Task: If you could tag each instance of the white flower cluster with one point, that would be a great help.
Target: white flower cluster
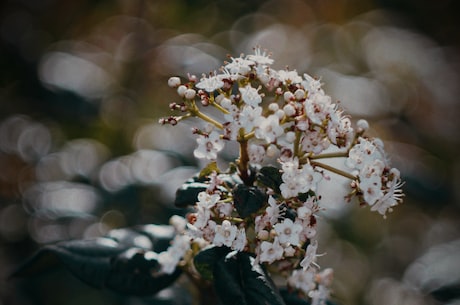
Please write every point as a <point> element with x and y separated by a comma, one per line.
<point>282,116</point>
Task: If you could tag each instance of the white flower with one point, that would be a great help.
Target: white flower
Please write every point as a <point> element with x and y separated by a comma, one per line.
<point>202,216</point>
<point>207,200</point>
<point>171,257</point>
<point>208,146</point>
<point>297,181</point>
<point>167,262</point>
<point>178,222</point>
<point>210,84</point>
<point>315,142</point>
<point>256,153</point>
<point>239,66</point>
<point>303,280</point>
<point>270,252</point>
<point>312,85</point>
<point>269,129</point>
<point>371,189</point>
<point>251,95</point>
<point>318,108</point>
<point>363,153</point>
<point>288,232</point>
<point>240,241</point>
<point>289,77</point>
<point>249,116</point>
<point>260,57</point>
<point>319,296</point>
<point>273,210</point>
<point>225,234</point>
<point>310,256</point>
<point>393,195</point>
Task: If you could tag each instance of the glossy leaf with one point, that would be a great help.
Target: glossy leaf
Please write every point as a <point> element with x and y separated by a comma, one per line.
<point>248,199</point>
<point>187,194</point>
<point>292,298</point>
<point>123,261</point>
<point>270,176</point>
<point>206,260</point>
<point>238,280</point>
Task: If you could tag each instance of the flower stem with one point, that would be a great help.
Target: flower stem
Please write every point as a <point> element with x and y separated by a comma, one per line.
<point>243,160</point>
<point>334,170</point>
<point>339,154</point>
<point>194,111</point>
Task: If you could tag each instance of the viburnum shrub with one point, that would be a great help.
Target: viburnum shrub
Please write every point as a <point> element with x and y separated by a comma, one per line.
<point>251,231</point>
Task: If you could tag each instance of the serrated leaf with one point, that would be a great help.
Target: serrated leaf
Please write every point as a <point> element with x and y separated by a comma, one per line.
<point>209,169</point>
<point>270,176</point>
<point>238,280</point>
<point>206,260</point>
<point>248,199</point>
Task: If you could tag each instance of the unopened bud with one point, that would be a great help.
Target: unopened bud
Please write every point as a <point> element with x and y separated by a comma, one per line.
<point>174,82</point>
<point>189,94</point>
<point>181,90</point>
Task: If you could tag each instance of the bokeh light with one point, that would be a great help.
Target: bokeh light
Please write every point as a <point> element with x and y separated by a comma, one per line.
<point>83,84</point>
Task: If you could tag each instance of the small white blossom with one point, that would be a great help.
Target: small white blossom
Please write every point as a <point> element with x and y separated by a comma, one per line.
<point>289,77</point>
<point>208,146</point>
<point>225,234</point>
<point>240,241</point>
<point>250,95</point>
<point>310,256</point>
<point>239,66</point>
<point>210,84</point>
<point>270,252</point>
<point>303,280</point>
<point>269,129</point>
<point>260,58</point>
<point>288,232</point>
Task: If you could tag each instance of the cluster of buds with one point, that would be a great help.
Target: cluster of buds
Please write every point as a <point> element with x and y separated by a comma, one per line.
<point>266,202</point>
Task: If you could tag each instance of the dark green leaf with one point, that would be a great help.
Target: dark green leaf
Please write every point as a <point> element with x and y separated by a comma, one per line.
<point>150,237</point>
<point>293,298</point>
<point>123,261</point>
<point>270,177</point>
<point>248,199</point>
<point>238,280</point>
<point>447,293</point>
<point>206,260</point>
<point>133,272</point>
<point>187,194</point>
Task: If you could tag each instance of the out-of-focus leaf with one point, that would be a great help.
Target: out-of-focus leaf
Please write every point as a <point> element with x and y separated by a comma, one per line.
<point>209,169</point>
<point>122,262</point>
<point>238,280</point>
<point>270,176</point>
<point>134,272</point>
<point>248,199</point>
<point>206,260</point>
<point>447,293</point>
<point>151,237</point>
<point>292,298</point>
<point>187,194</point>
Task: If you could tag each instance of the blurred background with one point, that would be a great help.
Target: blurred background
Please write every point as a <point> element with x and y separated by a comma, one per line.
<point>83,83</point>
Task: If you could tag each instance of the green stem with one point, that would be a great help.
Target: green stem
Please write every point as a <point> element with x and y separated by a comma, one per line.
<point>334,170</point>
<point>330,155</point>
<point>194,111</point>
